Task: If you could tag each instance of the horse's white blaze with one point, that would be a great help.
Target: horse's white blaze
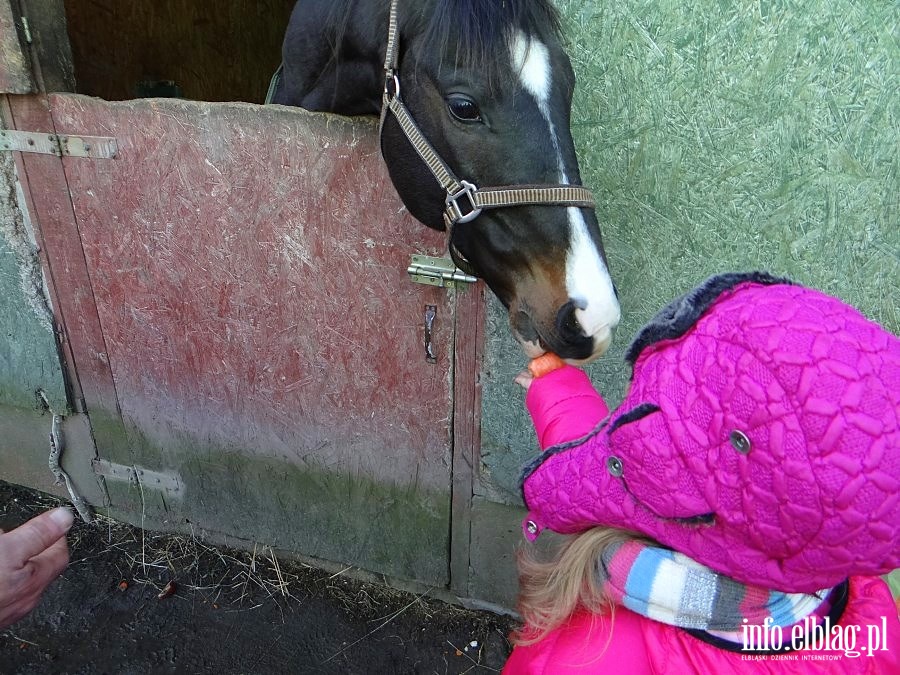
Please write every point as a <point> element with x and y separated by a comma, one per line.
<point>588,282</point>
<point>589,285</point>
<point>531,60</point>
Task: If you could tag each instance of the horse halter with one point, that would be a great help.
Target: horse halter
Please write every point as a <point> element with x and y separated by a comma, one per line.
<point>465,201</point>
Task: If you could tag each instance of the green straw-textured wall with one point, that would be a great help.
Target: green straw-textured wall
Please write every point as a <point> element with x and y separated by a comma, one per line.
<point>724,136</point>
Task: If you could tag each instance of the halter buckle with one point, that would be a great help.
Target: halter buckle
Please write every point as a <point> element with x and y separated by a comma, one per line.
<point>468,190</point>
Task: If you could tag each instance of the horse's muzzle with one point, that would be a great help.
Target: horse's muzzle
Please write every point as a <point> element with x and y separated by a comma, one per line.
<point>566,335</point>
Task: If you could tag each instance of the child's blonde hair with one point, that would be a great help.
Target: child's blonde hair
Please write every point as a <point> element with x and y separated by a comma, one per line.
<point>551,590</point>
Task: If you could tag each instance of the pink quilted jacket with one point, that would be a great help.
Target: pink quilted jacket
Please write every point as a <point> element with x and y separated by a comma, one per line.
<point>633,645</point>
<point>760,436</point>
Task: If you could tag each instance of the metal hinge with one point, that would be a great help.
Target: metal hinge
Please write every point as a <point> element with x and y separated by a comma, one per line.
<point>166,482</point>
<point>61,145</point>
<point>441,272</point>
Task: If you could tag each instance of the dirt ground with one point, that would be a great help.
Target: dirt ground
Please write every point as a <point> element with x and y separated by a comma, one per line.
<point>133,601</point>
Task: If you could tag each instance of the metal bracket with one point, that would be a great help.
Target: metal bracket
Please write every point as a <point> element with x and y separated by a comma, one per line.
<point>169,483</point>
<point>61,145</point>
<point>440,272</point>
<point>430,314</point>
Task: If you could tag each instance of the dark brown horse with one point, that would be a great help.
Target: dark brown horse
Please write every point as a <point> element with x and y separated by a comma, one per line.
<point>490,87</point>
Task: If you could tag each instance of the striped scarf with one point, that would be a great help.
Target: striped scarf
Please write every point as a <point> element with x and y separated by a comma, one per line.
<point>671,588</point>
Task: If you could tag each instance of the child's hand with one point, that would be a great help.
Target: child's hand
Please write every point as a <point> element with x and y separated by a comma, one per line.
<point>524,379</point>
<point>538,367</point>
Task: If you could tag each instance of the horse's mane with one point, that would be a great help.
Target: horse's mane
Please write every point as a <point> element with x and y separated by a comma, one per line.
<point>475,32</point>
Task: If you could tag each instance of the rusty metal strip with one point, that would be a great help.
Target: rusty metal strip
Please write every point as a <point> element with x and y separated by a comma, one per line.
<point>61,145</point>
<point>168,482</point>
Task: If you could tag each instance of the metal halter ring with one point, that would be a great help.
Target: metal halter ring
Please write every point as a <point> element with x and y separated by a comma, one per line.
<point>469,190</point>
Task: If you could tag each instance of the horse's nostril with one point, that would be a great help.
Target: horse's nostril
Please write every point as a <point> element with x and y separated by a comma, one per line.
<point>570,339</point>
<point>567,322</point>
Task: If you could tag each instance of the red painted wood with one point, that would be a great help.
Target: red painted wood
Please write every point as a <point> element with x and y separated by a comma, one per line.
<point>249,268</point>
<point>56,232</point>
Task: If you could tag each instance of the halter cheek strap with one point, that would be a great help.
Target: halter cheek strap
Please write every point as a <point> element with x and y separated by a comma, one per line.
<point>464,201</point>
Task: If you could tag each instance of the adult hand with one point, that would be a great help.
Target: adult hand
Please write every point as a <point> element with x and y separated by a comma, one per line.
<point>31,556</point>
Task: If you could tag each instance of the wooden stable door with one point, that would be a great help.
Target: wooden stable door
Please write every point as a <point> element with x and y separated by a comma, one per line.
<point>243,350</point>
<point>248,346</point>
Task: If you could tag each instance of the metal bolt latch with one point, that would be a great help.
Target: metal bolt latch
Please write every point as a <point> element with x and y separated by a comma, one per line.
<point>441,272</point>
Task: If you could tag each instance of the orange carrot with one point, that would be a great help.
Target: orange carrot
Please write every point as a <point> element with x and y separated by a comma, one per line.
<point>545,363</point>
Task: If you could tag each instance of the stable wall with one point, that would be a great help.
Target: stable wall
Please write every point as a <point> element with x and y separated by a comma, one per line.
<point>29,362</point>
<point>244,351</point>
<point>718,137</point>
<point>725,137</point>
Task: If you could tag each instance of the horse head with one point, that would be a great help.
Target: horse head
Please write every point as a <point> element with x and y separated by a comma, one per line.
<point>492,92</point>
<point>489,85</point>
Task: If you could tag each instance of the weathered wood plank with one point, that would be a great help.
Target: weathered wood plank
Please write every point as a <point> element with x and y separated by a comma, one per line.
<point>15,66</point>
<point>56,231</point>
<point>470,309</point>
<point>51,51</point>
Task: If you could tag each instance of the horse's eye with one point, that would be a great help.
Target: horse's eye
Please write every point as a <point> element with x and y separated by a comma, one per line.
<point>463,108</point>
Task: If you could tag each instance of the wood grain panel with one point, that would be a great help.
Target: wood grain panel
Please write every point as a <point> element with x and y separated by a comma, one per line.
<point>249,266</point>
<point>469,341</point>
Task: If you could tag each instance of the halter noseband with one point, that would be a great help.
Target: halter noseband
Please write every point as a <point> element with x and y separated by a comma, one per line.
<point>465,201</point>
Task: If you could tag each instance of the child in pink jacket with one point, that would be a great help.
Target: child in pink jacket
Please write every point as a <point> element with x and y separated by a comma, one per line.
<point>734,513</point>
